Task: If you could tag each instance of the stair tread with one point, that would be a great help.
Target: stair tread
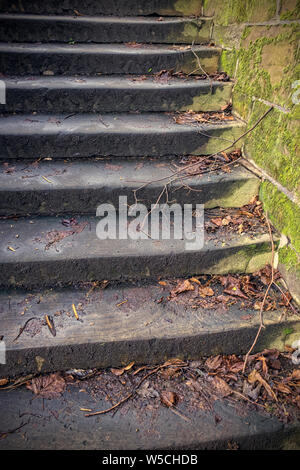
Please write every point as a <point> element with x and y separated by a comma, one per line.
<point>113,7</point>
<point>123,323</point>
<point>143,49</point>
<point>106,94</point>
<point>110,173</point>
<point>125,428</point>
<point>111,123</point>
<point>42,251</point>
<point>82,184</point>
<point>31,245</point>
<point>103,29</point>
<point>93,59</point>
<point>114,81</point>
<point>104,19</point>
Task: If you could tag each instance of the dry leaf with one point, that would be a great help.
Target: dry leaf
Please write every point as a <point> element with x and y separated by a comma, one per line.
<point>121,371</point>
<point>168,398</point>
<point>205,291</point>
<point>48,386</point>
<point>182,286</point>
<point>214,362</point>
<point>255,376</point>
<point>221,387</point>
<point>3,382</point>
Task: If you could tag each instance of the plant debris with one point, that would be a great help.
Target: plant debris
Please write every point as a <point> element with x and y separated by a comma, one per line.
<point>191,117</point>
<point>47,386</point>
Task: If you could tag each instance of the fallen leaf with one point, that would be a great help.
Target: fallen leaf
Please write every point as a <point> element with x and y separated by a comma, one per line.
<point>205,291</point>
<point>182,286</point>
<point>47,386</point>
<point>168,398</point>
<point>221,387</point>
<point>3,382</point>
<point>214,362</point>
<point>122,370</point>
<point>255,376</point>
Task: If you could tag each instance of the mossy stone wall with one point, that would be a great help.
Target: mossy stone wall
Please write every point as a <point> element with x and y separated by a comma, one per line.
<point>261,51</point>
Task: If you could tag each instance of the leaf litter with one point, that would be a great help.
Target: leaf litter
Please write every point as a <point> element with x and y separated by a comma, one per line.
<point>269,385</point>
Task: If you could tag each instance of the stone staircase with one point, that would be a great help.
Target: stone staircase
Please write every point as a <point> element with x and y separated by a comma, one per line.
<point>85,121</point>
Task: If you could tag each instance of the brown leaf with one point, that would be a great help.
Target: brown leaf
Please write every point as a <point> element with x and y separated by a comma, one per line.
<point>255,376</point>
<point>213,362</point>
<point>205,292</point>
<point>168,398</point>
<point>221,386</point>
<point>3,382</point>
<point>296,374</point>
<point>182,286</point>
<point>47,386</point>
<point>282,388</point>
<point>121,371</point>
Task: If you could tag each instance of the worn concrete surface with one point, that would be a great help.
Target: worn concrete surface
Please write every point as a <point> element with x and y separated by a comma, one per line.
<point>39,252</point>
<point>80,29</point>
<point>60,424</point>
<point>125,323</point>
<point>89,135</point>
<point>113,94</point>
<point>80,186</point>
<point>92,59</point>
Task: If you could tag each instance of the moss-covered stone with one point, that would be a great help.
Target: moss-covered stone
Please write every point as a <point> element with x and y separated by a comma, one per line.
<point>274,146</point>
<point>284,214</point>
<point>290,9</point>
<point>289,265</point>
<point>235,11</point>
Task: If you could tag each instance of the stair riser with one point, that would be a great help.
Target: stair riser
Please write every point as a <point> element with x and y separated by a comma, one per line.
<point>106,99</point>
<point>80,30</point>
<point>49,272</point>
<point>85,200</point>
<point>148,351</point>
<point>88,61</point>
<point>104,7</point>
<point>105,143</point>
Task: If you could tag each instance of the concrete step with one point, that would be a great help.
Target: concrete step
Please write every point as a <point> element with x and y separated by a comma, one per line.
<point>92,59</point>
<point>43,251</point>
<point>124,323</point>
<point>101,29</point>
<point>79,186</point>
<point>109,94</point>
<point>62,425</point>
<point>103,7</point>
<point>87,135</point>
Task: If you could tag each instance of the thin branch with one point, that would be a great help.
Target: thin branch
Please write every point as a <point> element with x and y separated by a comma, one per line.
<point>261,326</point>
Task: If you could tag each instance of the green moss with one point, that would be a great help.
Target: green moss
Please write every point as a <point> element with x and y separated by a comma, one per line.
<point>235,11</point>
<point>267,66</point>
<point>274,146</point>
<point>228,61</point>
<point>284,214</point>
<point>290,259</point>
<point>290,10</point>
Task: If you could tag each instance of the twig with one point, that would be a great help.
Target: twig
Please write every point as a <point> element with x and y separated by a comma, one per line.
<point>261,326</point>
<point>232,144</point>
<point>23,328</point>
<point>288,300</point>
<point>131,394</point>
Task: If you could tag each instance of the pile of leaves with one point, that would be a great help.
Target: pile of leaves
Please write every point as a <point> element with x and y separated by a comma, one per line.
<point>270,383</point>
<point>198,165</point>
<point>247,219</point>
<point>215,292</point>
<point>192,117</point>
